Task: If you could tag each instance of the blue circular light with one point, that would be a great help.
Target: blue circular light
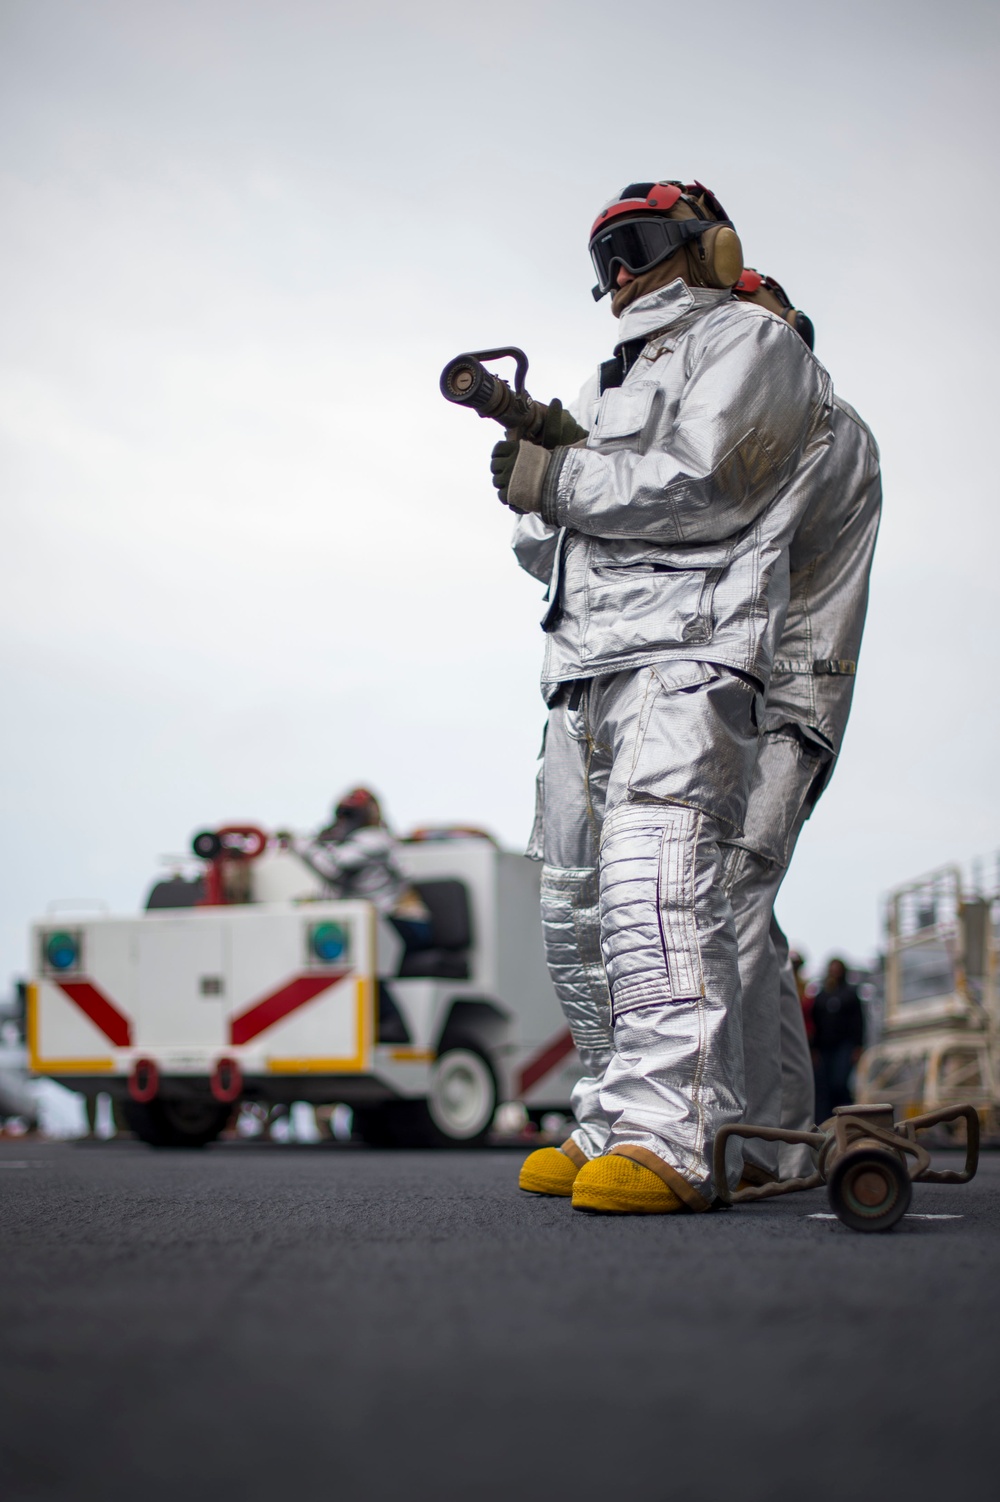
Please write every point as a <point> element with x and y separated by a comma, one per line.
<point>328,941</point>
<point>61,951</point>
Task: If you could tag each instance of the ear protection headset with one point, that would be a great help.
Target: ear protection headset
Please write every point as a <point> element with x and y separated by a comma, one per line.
<point>718,252</point>
<point>718,255</point>
<point>767,293</point>
<point>649,222</point>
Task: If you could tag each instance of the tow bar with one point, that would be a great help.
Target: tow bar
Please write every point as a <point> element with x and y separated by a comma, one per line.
<point>867,1161</point>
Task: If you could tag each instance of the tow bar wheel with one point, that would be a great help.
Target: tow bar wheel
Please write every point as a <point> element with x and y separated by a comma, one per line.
<point>870,1191</point>
<point>462,1096</point>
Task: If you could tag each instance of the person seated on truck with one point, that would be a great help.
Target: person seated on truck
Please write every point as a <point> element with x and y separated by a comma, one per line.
<point>358,856</point>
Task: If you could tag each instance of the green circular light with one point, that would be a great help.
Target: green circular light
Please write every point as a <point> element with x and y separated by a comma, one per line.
<point>62,951</point>
<point>329,942</point>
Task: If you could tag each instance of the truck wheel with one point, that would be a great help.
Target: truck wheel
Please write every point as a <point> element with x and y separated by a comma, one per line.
<point>462,1099</point>
<point>458,1111</point>
<point>176,1123</point>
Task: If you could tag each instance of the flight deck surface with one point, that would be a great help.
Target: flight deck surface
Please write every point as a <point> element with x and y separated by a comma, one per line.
<point>281,1321</point>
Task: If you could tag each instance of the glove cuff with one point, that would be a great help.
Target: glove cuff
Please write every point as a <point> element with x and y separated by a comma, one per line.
<point>527,481</point>
<point>549,500</point>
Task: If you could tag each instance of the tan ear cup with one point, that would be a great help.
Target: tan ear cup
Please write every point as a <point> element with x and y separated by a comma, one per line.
<point>718,256</point>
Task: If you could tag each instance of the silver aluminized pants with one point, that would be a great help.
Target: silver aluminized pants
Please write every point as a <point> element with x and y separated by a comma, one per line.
<point>779,1079</point>
<point>644,772</point>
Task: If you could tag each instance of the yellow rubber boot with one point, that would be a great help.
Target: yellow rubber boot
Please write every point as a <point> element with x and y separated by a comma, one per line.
<point>550,1170</point>
<point>619,1186</point>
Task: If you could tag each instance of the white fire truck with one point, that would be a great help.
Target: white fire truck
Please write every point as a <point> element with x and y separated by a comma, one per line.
<point>246,983</point>
<point>940,1043</point>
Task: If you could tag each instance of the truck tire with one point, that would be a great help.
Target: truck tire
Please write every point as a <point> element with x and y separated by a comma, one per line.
<point>458,1111</point>
<point>175,1123</point>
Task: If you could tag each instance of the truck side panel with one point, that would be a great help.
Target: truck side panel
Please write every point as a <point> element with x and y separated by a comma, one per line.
<point>61,1037</point>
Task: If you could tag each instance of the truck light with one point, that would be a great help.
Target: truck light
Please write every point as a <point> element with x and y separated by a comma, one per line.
<point>144,1081</point>
<point>62,950</point>
<point>226,1083</point>
<point>328,942</point>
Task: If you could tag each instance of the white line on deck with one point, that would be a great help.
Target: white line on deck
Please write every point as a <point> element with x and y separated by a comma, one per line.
<point>821,1215</point>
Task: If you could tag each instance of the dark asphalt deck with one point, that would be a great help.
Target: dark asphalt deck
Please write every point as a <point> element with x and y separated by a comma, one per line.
<point>288,1323</point>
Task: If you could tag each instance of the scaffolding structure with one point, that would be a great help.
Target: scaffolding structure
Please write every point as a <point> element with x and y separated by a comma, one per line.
<point>940,1040</point>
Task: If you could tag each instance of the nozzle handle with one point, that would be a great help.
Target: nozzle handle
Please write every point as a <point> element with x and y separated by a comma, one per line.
<point>917,1124</point>
<point>760,1191</point>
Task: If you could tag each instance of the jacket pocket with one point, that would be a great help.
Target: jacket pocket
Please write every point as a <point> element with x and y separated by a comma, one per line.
<point>631,553</point>
<point>623,413</point>
<point>648,603</point>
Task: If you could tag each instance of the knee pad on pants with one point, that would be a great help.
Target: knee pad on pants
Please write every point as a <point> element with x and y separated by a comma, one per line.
<point>572,934</point>
<point>649,894</point>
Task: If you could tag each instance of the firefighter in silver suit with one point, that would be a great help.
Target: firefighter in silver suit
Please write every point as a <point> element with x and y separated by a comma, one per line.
<point>664,536</point>
<point>805,715</point>
<point>357,855</point>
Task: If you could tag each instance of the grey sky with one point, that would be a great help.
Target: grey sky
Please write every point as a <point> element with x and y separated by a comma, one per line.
<point>251,556</point>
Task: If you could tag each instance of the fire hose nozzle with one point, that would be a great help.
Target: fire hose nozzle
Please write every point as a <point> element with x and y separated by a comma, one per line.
<point>466,382</point>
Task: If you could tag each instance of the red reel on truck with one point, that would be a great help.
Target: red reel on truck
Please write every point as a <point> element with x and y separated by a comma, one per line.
<point>226,851</point>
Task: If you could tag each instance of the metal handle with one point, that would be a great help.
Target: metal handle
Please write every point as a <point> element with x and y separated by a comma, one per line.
<point>479,357</point>
<point>761,1191</point>
<point>935,1118</point>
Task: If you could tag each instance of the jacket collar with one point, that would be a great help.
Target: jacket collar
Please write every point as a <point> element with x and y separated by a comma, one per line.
<point>660,310</point>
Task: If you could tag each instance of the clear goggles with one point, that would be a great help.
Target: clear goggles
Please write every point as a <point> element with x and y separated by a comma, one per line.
<point>640,244</point>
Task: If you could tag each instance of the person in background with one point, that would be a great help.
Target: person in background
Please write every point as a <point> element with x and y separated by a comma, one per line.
<point>838,1038</point>
<point>358,856</point>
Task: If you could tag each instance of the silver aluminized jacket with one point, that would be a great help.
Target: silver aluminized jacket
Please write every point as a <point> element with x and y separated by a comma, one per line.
<point>805,715</point>
<point>665,541</point>
<point>812,682</point>
<point>661,537</point>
